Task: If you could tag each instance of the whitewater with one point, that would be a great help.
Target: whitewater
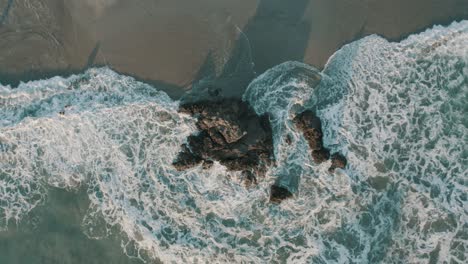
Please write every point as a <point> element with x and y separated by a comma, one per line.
<point>397,111</point>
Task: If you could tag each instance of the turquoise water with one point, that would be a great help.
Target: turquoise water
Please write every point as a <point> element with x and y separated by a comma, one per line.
<point>85,166</point>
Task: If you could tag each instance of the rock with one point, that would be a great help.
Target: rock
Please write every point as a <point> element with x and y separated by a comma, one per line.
<point>311,127</point>
<point>186,159</point>
<point>320,155</point>
<point>278,194</point>
<point>338,161</point>
<point>379,182</point>
<point>231,133</point>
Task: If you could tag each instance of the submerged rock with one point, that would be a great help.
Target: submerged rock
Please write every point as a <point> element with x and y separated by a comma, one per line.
<point>278,194</point>
<point>230,133</point>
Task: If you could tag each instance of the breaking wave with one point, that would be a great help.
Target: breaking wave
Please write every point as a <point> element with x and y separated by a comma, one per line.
<point>397,111</point>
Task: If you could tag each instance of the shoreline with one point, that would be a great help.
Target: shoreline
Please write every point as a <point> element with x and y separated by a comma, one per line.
<point>175,92</point>
<point>14,80</point>
<point>175,44</point>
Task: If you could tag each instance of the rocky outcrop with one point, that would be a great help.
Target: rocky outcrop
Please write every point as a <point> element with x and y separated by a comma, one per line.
<point>231,133</point>
<point>311,127</point>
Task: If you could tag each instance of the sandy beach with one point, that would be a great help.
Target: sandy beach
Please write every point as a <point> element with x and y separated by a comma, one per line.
<point>163,44</point>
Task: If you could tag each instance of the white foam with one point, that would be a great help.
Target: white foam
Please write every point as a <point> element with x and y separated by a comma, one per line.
<point>401,118</point>
<point>395,110</point>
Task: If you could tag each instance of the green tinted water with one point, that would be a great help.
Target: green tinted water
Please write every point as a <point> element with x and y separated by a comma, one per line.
<point>52,233</point>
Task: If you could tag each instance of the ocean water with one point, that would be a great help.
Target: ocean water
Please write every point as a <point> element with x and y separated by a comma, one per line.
<point>397,111</point>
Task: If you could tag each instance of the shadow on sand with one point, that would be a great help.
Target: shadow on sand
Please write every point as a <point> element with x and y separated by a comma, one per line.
<point>276,33</point>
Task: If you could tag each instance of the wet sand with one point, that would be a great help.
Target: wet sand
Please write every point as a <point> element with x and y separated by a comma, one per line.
<point>166,42</point>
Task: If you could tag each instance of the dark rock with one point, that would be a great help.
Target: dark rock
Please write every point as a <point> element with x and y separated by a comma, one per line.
<point>186,159</point>
<point>311,127</point>
<point>231,133</point>
<point>338,161</point>
<point>309,124</point>
<point>278,194</point>
<point>320,155</point>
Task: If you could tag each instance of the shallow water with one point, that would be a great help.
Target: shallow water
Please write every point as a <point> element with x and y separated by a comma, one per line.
<point>397,111</point>
<point>52,233</point>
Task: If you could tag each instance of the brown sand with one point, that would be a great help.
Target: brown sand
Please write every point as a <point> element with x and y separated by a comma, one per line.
<point>166,42</point>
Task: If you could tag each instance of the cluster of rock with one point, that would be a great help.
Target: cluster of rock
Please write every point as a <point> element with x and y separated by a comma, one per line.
<point>311,127</point>
<point>231,133</point>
